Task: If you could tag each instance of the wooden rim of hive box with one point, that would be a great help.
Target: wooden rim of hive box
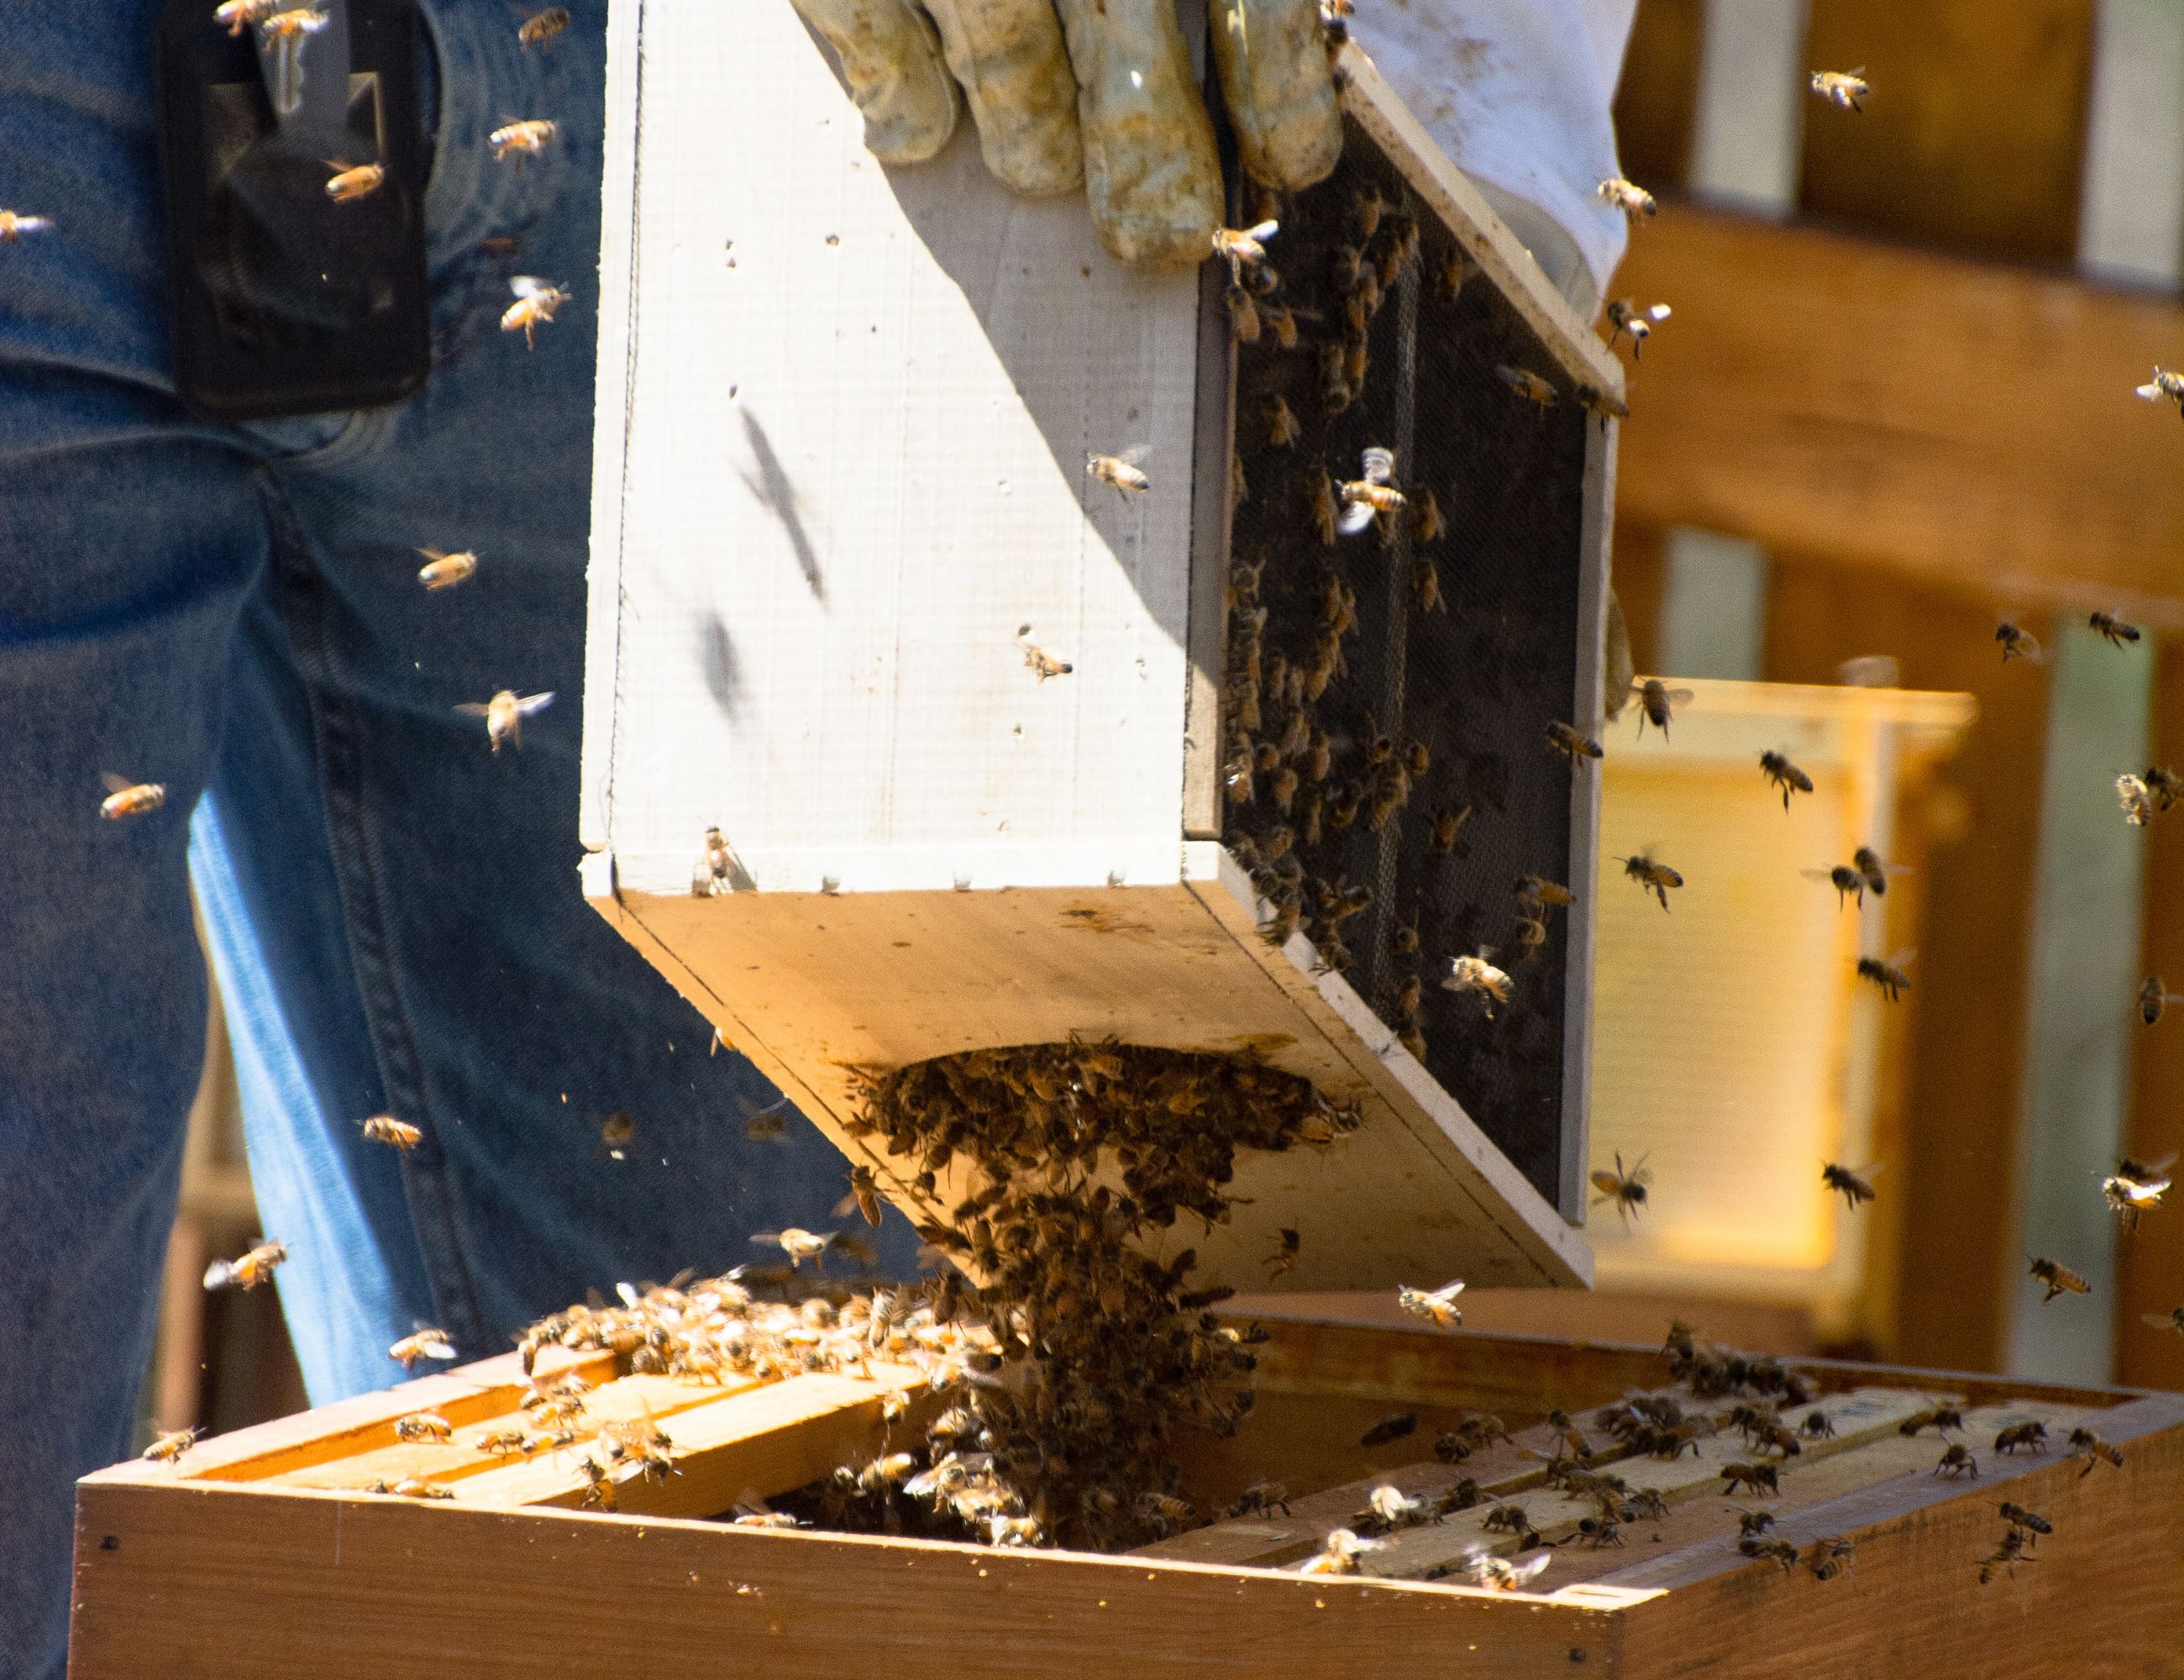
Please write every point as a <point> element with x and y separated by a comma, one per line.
<point>257,1554</point>
<point>856,957</point>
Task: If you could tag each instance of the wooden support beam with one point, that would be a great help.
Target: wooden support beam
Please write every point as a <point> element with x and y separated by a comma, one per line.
<point>1971,425</point>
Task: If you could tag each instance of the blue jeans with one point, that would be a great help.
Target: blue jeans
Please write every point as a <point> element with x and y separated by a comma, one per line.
<point>395,911</point>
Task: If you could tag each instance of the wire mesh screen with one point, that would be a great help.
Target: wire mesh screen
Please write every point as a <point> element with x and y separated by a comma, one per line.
<point>1388,774</point>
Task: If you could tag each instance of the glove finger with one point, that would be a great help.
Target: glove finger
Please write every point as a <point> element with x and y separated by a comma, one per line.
<point>1281,89</point>
<point>1008,54</point>
<point>891,59</point>
<point>1151,174</point>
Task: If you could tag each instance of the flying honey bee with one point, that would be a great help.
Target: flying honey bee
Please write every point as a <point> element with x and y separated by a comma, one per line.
<point>503,715</point>
<point>1283,428</point>
<point>1777,768</point>
<point>864,1195</point>
<point>519,140</point>
<point>14,225</point>
<point>1875,873</point>
<point>769,1125</point>
<point>1570,744</point>
<point>1284,1259</point>
<point>248,1270</point>
<point>1856,1187</point>
<point>2138,802</point>
<point>1476,974</point>
<point>1121,471</point>
<point>2171,1320</point>
<point>125,798</point>
<point>2005,1557</point>
<point>2030,1520</point>
<point>444,570</point>
<point>2113,630</point>
<point>541,27</point>
<point>1848,883</point>
<point>384,1128</point>
<point>424,1343</point>
<point>1888,975</point>
<point>353,182</point>
<point>1626,1189</point>
<point>800,1245</point>
<point>1436,1306</point>
<point>618,1130</point>
<point>1657,703</point>
<point>2059,1278</point>
<point>2164,384</point>
<point>239,14</point>
<point>1528,384</point>
<point>2135,1188</point>
<point>1625,315</point>
<point>1041,662</point>
<point>1656,878</point>
<point>536,301</point>
<point>1338,1553</point>
<point>1843,89</point>
<point>1628,197</point>
<point>2018,643</point>
<point>1243,248</point>
<point>1373,494</point>
<point>171,1446</point>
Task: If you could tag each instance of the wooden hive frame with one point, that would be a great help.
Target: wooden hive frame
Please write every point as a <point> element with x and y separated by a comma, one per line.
<point>259,1546</point>
<point>1049,868</point>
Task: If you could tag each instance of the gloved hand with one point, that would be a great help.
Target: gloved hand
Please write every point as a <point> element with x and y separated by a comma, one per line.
<point>1116,110</point>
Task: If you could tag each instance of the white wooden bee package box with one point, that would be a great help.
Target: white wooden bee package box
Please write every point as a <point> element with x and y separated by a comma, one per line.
<point>842,515</point>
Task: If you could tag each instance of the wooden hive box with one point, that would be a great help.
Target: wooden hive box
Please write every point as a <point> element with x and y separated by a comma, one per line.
<point>259,1554</point>
<point>840,491</point>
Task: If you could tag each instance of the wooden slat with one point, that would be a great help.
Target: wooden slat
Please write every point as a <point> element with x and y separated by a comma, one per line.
<point>1974,136</point>
<point>191,1583</point>
<point>1970,425</point>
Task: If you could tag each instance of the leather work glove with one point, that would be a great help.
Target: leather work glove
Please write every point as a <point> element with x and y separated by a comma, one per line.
<point>1116,108</point>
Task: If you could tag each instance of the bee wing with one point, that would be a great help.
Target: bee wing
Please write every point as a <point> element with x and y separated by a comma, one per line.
<point>1354,518</point>
<point>113,783</point>
<point>2029,647</point>
<point>772,1239</point>
<point>1659,312</point>
<point>1826,875</point>
<point>1449,1292</point>
<point>1528,1568</point>
<point>534,702</point>
<point>2151,392</point>
<point>1135,456</point>
<point>1680,696</point>
<point>1379,464</point>
<point>1903,960</point>
<point>530,285</point>
<point>842,1208</point>
<point>1264,231</point>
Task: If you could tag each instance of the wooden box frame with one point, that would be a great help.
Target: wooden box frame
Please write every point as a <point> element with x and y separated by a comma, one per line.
<point>1017,860</point>
<point>257,1554</point>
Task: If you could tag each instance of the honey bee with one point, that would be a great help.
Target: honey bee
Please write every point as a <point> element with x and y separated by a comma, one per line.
<point>2018,644</point>
<point>1281,321</point>
<point>1888,975</point>
<point>1426,521</point>
<point>1338,1553</point>
<point>1830,1556</point>
<point>1373,494</point>
<point>1356,359</point>
<point>2015,1543</point>
<point>2031,1436</point>
<point>1392,1427</point>
<point>1571,745</point>
<point>1781,1552</point>
<point>14,225</point>
<point>1476,974</point>
<point>1041,662</point>
<point>1847,882</point>
<point>2138,802</point>
<point>1367,207</point>
<point>1875,873</point>
<point>125,798</point>
<point>520,139</point>
<point>353,182</point>
<point>2030,1521</point>
<point>503,715</point>
<point>2171,1320</point>
<point>414,1487</point>
<point>1624,315</point>
<point>1501,1574</point>
<point>1284,1259</point>
<point>1818,1425</point>
<point>1957,1459</point>
<point>1633,200</point>
<point>1777,768</point>
<point>171,1446</point>
<point>1452,271</point>
<point>1436,1306</point>
<point>1538,891</point>
<point>541,27</point>
<point>1282,429</point>
<point>424,1426</point>
<point>1243,315</point>
<point>1627,1190</point>
<point>424,1343</point>
<point>248,1272</point>
<point>2164,784</point>
<point>1656,878</point>
<point>1261,1497</point>
<point>239,14</point>
<point>2059,1278</point>
<point>1447,827</point>
<point>1843,89</point>
<point>751,1512</point>
<point>384,1128</point>
<point>1856,1187</point>
<point>293,24</point>
<point>2113,630</point>
<point>2135,1187</point>
<point>2164,384</point>
<point>1657,703</point>
<point>1391,1508</point>
<point>443,570</point>
<point>618,1130</point>
<point>1244,248</point>
<point>800,1245</point>
<point>1123,471</point>
<point>864,1195</point>
<point>1528,384</point>
<point>2086,1444</point>
<point>500,1443</point>
<point>600,1488</point>
<point>536,301</point>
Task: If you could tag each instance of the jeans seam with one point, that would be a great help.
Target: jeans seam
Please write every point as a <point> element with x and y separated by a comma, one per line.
<point>393,1035</point>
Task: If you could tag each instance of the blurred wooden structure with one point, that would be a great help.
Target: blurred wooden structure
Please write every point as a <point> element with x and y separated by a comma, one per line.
<point>1897,385</point>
